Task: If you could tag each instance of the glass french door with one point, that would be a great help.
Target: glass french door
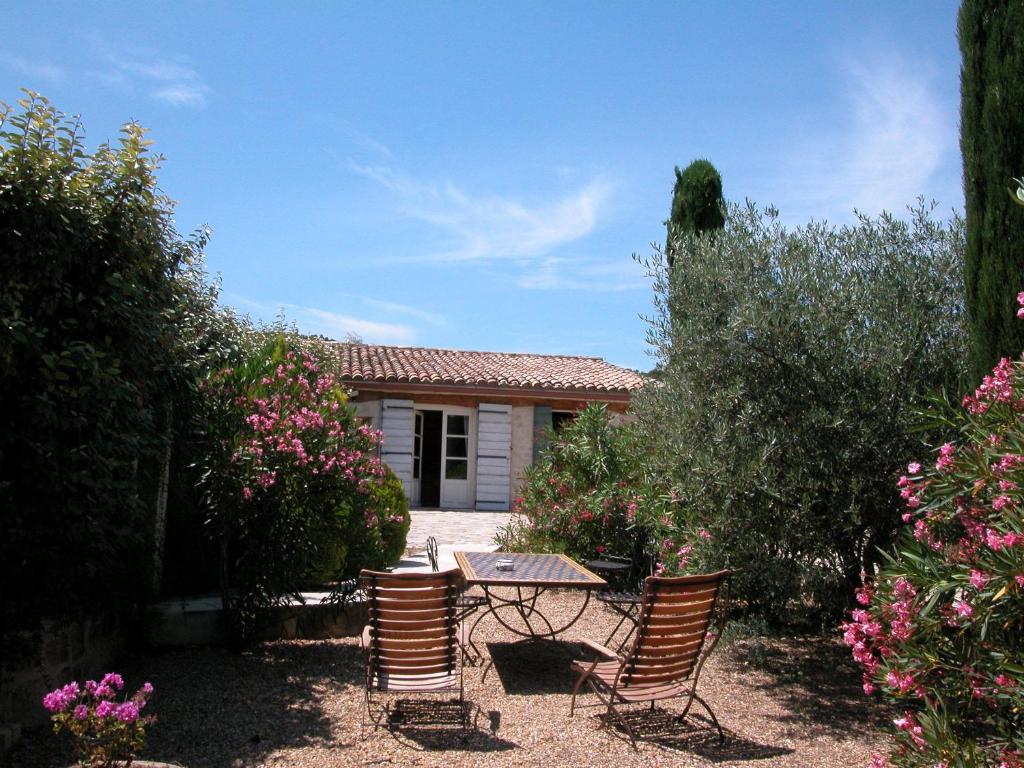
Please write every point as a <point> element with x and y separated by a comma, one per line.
<point>456,469</point>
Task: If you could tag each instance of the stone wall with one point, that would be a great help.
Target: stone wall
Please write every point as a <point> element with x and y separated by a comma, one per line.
<point>36,662</point>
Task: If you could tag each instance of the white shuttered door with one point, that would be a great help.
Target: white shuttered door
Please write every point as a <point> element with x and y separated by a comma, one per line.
<point>493,457</point>
<point>396,422</point>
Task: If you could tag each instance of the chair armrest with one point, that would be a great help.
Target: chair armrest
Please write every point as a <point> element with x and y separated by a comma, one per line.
<point>599,649</point>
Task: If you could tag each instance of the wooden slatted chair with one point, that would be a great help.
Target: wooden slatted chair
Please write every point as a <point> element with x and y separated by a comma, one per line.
<point>677,615</point>
<point>413,643</point>
<point>465,606</point>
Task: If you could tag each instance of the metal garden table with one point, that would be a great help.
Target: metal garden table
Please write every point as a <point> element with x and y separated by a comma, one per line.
<point>532,575</point>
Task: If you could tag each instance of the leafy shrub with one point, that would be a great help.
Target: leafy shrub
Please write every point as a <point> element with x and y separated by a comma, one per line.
<point>288,475</point>
<point>591,494</point>
<point>791,364</point>
<point>94,314</point>
<point>941,630</point>
<point>389,501</point>
<point>581,496</point>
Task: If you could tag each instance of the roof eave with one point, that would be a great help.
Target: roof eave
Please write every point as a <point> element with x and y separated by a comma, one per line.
<point>541,393</point>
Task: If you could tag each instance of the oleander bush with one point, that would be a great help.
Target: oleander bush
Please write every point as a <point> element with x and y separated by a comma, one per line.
<point>293,486</point>
<point>940,630</point>
<point>792,361</point>
<point>592,493</point>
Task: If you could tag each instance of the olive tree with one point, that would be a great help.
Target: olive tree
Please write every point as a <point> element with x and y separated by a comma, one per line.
<point>792,363</point>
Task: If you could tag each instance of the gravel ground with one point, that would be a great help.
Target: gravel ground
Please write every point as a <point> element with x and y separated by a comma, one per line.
<point>793,702</point>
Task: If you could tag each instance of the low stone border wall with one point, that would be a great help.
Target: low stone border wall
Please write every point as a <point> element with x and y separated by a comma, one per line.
<point>177,623</point>
<point>37,661</point>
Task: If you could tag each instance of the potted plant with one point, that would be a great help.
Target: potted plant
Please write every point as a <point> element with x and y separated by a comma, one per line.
<point>106,727</point>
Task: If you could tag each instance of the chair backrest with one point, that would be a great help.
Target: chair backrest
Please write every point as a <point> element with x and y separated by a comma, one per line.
<point>675,615</point>
<point>413,629</point>
<point>432,552</point>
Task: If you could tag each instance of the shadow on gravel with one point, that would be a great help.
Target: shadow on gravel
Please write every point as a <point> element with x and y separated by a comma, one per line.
<point>533,667</point>
<point>430,725</point>
<point>217,708</point>
<point>275,690</point>
<point>694,734</point>
<point>816,680</point>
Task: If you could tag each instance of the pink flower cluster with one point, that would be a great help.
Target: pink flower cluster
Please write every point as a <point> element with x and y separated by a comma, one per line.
<point>294,418</point>
<point>98,698</point>
<point>871,642</point>
<point>995,388</point>
<point>909,725</point>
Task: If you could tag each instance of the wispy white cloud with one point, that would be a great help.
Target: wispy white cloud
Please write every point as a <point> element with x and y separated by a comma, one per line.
<point>389,306</point>
<point>182,94</point>
<point>491,226</point>
<point>583,274</point>
<point>31,67</point>
<point>172,82</point>
<point>338,326</point>
<point>334,325</point>
<point>171,79</point>
<point>896,134</point>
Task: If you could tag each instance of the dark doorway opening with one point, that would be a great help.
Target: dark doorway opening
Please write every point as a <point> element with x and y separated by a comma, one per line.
<point>430,460</point>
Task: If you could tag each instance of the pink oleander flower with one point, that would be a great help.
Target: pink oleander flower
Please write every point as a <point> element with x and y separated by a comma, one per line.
<point>105,709</point>
<point>963,608</point>
<point>914,468</point>
<point>978,579</point>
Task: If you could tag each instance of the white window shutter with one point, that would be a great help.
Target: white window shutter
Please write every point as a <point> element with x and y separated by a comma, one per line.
<point>396,422</point>
<point>493,457</point>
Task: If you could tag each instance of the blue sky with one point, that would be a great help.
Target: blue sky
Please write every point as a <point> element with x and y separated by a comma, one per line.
<point>478,175</point>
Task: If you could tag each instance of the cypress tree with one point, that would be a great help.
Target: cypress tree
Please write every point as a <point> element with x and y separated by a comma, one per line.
<point>991,35</point>
<point>697,204</point>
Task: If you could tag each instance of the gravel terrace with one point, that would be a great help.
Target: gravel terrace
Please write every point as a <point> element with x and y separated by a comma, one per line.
<point>300,703</point>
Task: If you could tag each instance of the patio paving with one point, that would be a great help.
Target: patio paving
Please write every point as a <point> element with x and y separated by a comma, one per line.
<point>466,530</point>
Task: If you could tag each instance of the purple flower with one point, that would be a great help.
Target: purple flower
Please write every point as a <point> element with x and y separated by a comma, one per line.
<point>105,709</point>
<point>128,712</point>
<point>114,679</point>
<point>81,712</point>
<point>55,701</point>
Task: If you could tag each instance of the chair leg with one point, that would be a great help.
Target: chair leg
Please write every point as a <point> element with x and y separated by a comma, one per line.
<point>625,723</point>
<point>584,676</point>
<point>695,697</point>
<point>576,689</point>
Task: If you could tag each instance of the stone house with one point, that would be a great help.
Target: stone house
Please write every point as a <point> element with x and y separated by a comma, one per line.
<point>460,427</point>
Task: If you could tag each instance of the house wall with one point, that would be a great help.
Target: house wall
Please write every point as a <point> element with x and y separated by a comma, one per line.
<point>522,444</point>
<point>367,405</point>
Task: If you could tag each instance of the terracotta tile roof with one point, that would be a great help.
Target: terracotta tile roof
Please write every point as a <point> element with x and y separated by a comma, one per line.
<point>514,370</point>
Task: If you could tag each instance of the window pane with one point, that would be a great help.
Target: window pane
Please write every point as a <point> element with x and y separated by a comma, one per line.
<point>456,447</point>
<point>415,469</point>
<point>456,469</point>
<point>457,425</point>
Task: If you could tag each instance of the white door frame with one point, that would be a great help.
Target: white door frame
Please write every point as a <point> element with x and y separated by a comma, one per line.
<point>458,494</point>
